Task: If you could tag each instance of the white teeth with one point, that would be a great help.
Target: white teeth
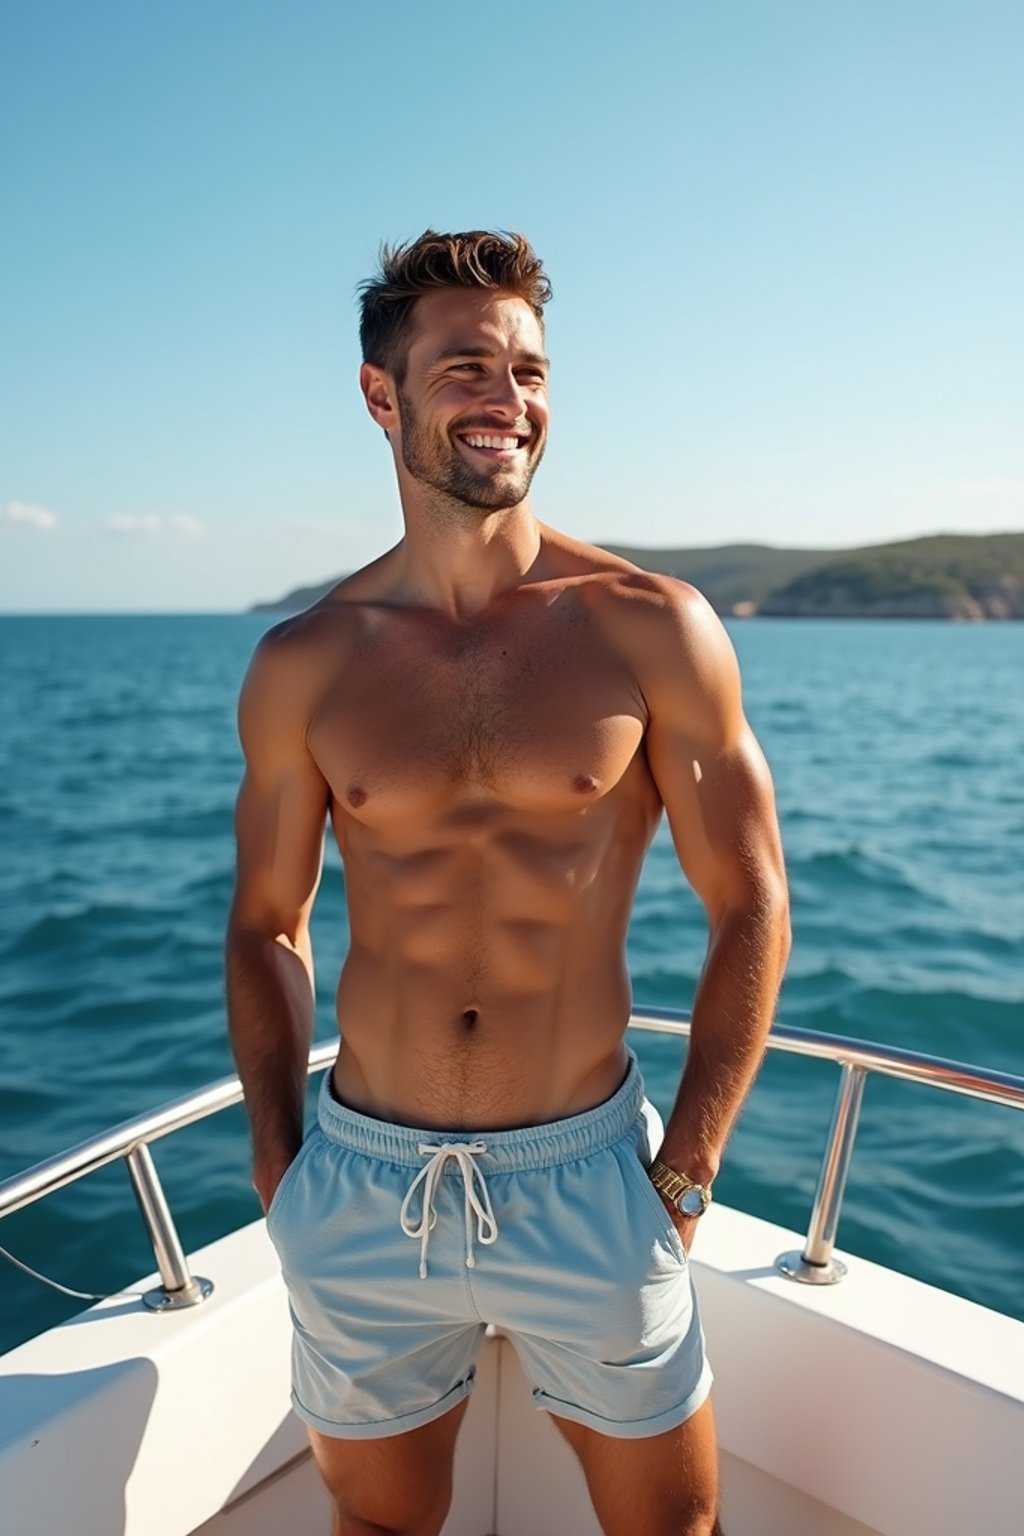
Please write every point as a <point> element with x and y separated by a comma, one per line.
<point>492,442</point>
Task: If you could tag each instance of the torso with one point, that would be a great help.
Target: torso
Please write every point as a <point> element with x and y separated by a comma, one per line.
<point>492,803</point>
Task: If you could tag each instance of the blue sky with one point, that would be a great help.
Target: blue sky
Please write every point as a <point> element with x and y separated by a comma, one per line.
<point>786,240</point>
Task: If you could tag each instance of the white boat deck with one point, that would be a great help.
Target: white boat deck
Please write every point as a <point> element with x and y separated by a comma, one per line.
<point>877,1406</point>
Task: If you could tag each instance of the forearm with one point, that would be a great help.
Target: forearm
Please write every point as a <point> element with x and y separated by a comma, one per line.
<point>270,1022</point>
<point>732,1014</point>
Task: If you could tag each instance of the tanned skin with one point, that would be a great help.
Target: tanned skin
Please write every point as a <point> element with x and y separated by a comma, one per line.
<point>493,716</point>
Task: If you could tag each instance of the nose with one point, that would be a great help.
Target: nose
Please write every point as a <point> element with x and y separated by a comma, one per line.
<point>507,394</point>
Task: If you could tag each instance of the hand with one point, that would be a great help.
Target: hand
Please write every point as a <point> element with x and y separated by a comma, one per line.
<point>267,1175</point>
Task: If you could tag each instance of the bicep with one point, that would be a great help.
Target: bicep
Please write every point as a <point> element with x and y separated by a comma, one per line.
<point>709,768</point>
<point>281,809</point>
<point>279,830</point>
<point>720,804</point>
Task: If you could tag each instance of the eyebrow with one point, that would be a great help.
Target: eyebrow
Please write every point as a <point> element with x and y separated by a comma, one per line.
<point>524,357</point>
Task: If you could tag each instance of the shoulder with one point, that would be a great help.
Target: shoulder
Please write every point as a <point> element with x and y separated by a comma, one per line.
<point>313,646</point>
<point>663,629</point>
<point>624,593</point>
<point>292,666</point>
<point>660,618</point>
<point>675,645</point>
<point>291,649</point>
<point>298,648</point>
<point>638,597</point>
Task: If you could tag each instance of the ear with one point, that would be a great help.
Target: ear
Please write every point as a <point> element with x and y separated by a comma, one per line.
<point>379,393</point>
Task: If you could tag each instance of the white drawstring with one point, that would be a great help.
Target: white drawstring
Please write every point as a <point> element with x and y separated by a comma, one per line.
<point>478,1204</point>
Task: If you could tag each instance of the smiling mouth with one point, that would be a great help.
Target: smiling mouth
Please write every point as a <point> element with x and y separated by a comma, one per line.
<point>493,444</point>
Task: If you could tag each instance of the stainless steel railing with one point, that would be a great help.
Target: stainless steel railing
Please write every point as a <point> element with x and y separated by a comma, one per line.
<point>815,1264</point>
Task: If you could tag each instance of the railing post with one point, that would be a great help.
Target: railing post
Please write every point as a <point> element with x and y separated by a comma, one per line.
<point>180,1287</point>
<point>816,1265</point>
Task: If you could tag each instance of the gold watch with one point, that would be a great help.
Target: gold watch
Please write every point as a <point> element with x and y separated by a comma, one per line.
<point>688,1197</point>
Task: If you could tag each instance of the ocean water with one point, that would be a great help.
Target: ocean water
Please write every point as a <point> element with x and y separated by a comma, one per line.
<point>896,751</point>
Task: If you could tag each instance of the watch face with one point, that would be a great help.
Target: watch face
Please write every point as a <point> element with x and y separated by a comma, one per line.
<point>693,1203</point>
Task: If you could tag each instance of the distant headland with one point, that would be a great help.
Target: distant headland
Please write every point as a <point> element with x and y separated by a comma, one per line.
<point>941,576</point>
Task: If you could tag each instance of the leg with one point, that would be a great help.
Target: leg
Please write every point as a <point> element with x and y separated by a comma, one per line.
<point>661,1485</point>
<point>399,1485</point>
<point>382,1361</point>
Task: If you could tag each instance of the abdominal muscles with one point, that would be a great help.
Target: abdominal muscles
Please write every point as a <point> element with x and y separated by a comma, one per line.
<point>486,982</point>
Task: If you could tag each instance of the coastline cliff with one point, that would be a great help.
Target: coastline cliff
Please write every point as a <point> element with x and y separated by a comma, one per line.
<point>947,576</point>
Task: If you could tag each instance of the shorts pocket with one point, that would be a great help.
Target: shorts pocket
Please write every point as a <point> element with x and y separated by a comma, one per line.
<point>286,1178</point>
<point>638,1176</point>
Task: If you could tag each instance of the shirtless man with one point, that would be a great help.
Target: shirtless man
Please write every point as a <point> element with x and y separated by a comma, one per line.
<point>493,716</point>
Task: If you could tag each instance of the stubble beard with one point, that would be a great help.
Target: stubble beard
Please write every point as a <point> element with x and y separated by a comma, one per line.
<point>433,460</point>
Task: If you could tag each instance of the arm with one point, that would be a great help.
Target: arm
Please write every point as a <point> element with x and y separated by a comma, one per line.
<point>718,795</point>
<point>279,824</point>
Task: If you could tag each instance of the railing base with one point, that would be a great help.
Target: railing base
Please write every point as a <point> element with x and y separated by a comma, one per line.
<point>795,1267</point>
<point>191,1295</point>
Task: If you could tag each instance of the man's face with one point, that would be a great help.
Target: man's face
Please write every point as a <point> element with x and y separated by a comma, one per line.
<point>473,406</point>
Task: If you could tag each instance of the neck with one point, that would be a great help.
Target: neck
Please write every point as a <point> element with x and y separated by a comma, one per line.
<point>461,561</point>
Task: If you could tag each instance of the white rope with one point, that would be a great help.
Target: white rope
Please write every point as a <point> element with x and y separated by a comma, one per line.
<point>79,1295</point>
<point>476,1204</point>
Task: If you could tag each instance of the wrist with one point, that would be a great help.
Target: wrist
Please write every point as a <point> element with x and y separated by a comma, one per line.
<point>269,1162</point>
<point>267,1173</point>
<point>701,1167</point>
<point>683,1194</point>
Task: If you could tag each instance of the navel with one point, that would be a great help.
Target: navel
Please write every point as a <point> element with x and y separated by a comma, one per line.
<point>585,783</point>
<point>470,1017</point>
<point>355,795</point>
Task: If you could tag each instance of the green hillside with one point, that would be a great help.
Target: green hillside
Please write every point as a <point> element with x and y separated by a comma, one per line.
<point>952,576</point>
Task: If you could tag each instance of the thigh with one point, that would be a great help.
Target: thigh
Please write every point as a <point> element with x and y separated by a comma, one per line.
<point>659,1485</point>
<point>399,1482</point>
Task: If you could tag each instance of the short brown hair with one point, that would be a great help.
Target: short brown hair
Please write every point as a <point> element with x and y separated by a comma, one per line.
<point>476,258</point>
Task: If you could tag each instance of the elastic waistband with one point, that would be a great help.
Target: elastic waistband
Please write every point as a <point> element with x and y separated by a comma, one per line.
<point>534,1146</point>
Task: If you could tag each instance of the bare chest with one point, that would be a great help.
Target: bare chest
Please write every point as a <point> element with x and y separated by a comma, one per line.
<point>540,717</point>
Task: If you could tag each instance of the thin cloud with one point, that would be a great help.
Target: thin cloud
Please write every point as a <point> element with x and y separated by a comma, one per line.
<point>133,523</point>
<point>184,523</point>
<point>26,516</point>
<point>152,525</point>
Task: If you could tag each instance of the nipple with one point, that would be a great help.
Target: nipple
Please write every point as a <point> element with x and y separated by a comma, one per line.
<point>585,783</point>
<point>355,795</point>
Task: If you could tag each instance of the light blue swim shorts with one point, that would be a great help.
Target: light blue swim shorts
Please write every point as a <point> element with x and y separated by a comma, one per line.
<point>399,1245</point>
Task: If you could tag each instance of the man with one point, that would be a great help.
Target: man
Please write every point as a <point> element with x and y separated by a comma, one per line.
<point>493,715</point>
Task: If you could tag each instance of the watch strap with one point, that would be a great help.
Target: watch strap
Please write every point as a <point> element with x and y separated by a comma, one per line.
<point>674,1185</point>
